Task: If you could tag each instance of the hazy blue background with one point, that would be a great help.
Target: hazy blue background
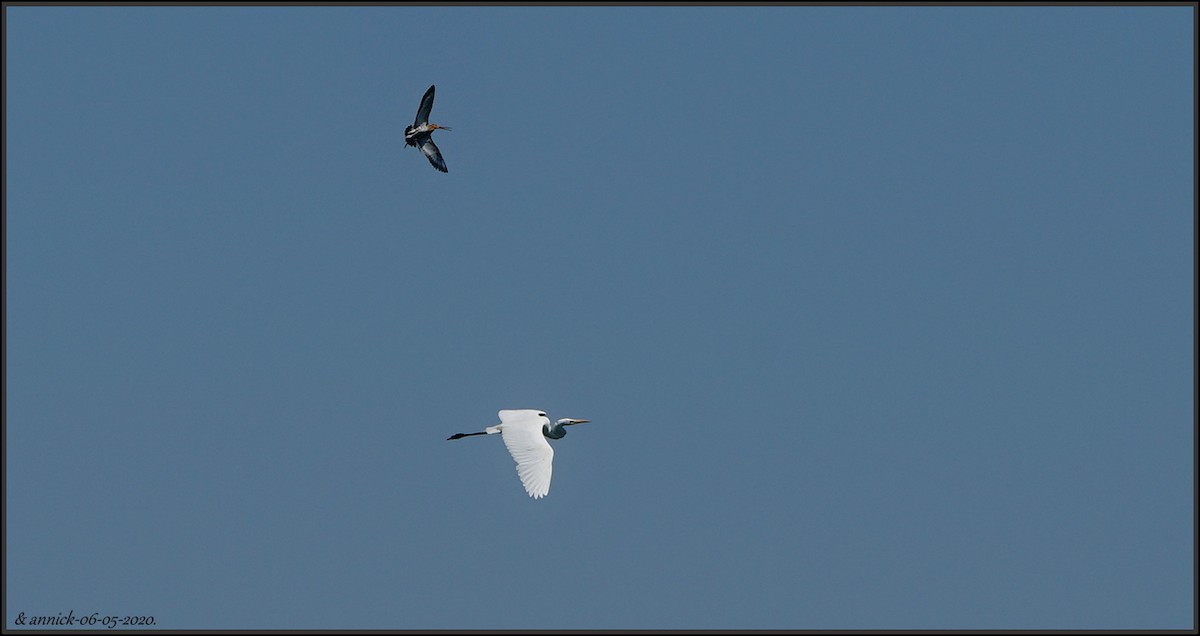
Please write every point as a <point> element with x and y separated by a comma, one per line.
<point>883,316</point>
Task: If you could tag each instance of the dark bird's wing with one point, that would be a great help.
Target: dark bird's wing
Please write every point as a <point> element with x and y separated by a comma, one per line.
<point>431,151</point>
<point>426,106</point>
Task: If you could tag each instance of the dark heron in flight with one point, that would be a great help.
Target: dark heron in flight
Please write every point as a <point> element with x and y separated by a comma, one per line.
<point>420,134</point>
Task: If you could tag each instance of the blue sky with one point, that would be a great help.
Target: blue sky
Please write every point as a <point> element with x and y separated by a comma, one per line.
<point>883,316</point>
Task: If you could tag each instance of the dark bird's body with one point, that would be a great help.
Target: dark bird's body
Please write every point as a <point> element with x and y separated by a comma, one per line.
<point>420,134</point>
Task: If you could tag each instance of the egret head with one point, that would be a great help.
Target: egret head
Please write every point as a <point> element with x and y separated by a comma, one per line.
<point>556,430</point>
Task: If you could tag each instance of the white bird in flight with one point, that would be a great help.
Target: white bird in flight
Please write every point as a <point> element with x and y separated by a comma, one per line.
<point>524,432</point>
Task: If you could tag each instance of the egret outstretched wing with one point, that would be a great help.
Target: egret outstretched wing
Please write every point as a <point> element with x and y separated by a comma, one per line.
<point>423,110</point>
<point>430,150</point>
<point>522,433</point>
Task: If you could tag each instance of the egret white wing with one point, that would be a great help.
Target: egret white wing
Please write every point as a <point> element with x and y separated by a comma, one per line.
<point>513,415</point>
<point>529,448</point>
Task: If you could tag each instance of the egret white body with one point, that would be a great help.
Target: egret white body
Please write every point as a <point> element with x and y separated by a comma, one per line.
<point>524,432</point>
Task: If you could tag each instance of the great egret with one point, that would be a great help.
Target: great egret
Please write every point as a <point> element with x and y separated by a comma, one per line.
<point>524,432</point>
<point>420,134</point>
